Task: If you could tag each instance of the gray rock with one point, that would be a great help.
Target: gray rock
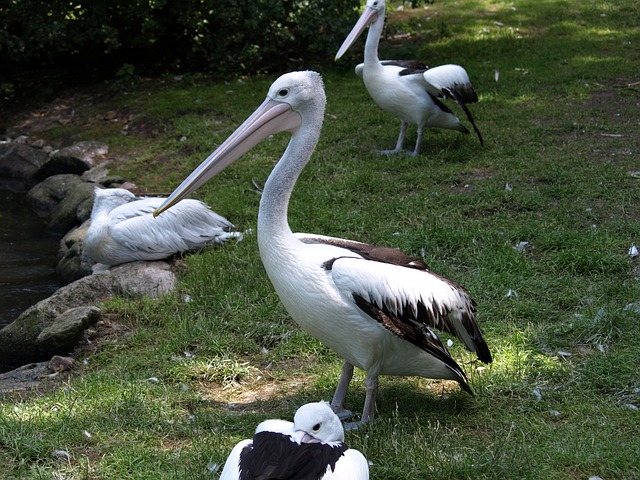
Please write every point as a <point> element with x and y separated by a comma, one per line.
<point>149,279</point>
<point>12,185</point>
<point>84,207</point>
<point>96,174</point>
<point>74,209</point>
<point>46,195</point>
<point>87,291</point>
<point>100,174</point>
<point>52,327</point>
<point>76,159</point>
<point>20,161</point>
<point>18,344</point>
<point>74,264</point>
<point>17,340</point>
<point>66,330</point>
<point>24,378</point>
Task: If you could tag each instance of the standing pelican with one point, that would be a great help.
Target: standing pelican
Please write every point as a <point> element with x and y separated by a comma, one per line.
<point>123,229</point>
<point>310,448</point>
<point>409,89</point>
<point>375,307</point>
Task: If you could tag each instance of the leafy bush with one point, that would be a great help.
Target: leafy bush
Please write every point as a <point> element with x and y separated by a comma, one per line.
<point>216,36</point>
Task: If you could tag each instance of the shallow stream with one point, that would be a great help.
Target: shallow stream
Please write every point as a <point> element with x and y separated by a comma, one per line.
<point>28,256</point>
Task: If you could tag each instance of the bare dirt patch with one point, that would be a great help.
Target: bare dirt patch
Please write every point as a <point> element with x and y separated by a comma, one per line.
<point>257,391</point>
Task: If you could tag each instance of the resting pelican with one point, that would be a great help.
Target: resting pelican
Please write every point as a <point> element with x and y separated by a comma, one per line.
<point>409,89</point>
<point>312,447</point>
<point>123,229</point>
<point>375,306</point>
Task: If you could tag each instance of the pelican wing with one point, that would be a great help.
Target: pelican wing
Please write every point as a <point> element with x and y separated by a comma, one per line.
<point>231,466</point>
<point>188,226</point>
<point>369,252</point>
<point>418,334</point>
<point>353,464</point>
<point>409,67</point>
<point>276,456</point>
<point>403,67</point>
<point>144,206</point>
<point>410,302</point>
<point>452,82</point>
<point>449,80</point>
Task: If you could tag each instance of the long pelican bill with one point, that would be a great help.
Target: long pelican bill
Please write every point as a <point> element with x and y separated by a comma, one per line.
<point>301,436</point>
<point>269,118</point>
<point>367,18</point>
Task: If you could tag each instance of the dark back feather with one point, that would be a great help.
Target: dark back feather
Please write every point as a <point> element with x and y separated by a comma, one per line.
<point>410,67</point>
<point>275,456</point>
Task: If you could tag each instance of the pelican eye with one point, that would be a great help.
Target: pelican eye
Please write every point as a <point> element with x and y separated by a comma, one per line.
<point>316,427</point>
<point>283,93</point>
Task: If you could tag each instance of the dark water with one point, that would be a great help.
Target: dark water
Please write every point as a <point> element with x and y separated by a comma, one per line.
<point>28,256</point>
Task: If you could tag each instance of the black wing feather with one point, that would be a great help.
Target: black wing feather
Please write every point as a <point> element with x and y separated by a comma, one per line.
<point>433,317</point>
<point>372,252</point>
<point>419,334</point>
<point>274,456</point>
<point>410,67</point>
<point>462,97</point>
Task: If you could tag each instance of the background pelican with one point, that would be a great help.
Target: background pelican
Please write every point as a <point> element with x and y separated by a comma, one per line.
<point>312,447</point>
<point>123,229</point>
<point>376,307</point>
<point>409,89</point>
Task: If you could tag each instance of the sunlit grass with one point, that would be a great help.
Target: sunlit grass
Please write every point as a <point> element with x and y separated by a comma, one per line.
<point>198,369</point>
<point>225,371</point>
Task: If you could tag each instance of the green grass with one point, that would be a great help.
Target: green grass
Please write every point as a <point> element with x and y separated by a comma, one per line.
<point>561,126</point>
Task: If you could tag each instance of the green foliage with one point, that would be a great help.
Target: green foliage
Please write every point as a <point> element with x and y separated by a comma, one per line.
<point>218,36</point>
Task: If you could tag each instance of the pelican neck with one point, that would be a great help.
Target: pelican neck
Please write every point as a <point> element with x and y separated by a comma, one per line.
<point>373,40</point>
<point>273,225</point>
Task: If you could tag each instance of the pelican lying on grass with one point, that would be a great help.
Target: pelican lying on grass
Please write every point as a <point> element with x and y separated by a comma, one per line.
<point>312,447</point>
<point>409,89</point>
<point>123,229</point>
<point>376,307</point>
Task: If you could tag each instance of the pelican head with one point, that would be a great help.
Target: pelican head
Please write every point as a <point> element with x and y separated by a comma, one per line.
<point>106,199</point>
<point>316,423</point>
<point>372,11</point>
<point>291,97</point>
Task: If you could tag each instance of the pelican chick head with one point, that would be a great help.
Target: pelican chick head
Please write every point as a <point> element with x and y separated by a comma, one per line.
<point>317,423</point>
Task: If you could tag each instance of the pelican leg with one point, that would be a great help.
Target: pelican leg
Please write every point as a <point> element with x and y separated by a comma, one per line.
<point>337,404</point>
<point>416,151</point>
<point>371,384</point>
<point>400,142</point>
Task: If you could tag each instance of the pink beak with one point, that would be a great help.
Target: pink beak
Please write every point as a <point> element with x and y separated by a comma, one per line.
<point>367,18</point>
<point>269,118</point>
